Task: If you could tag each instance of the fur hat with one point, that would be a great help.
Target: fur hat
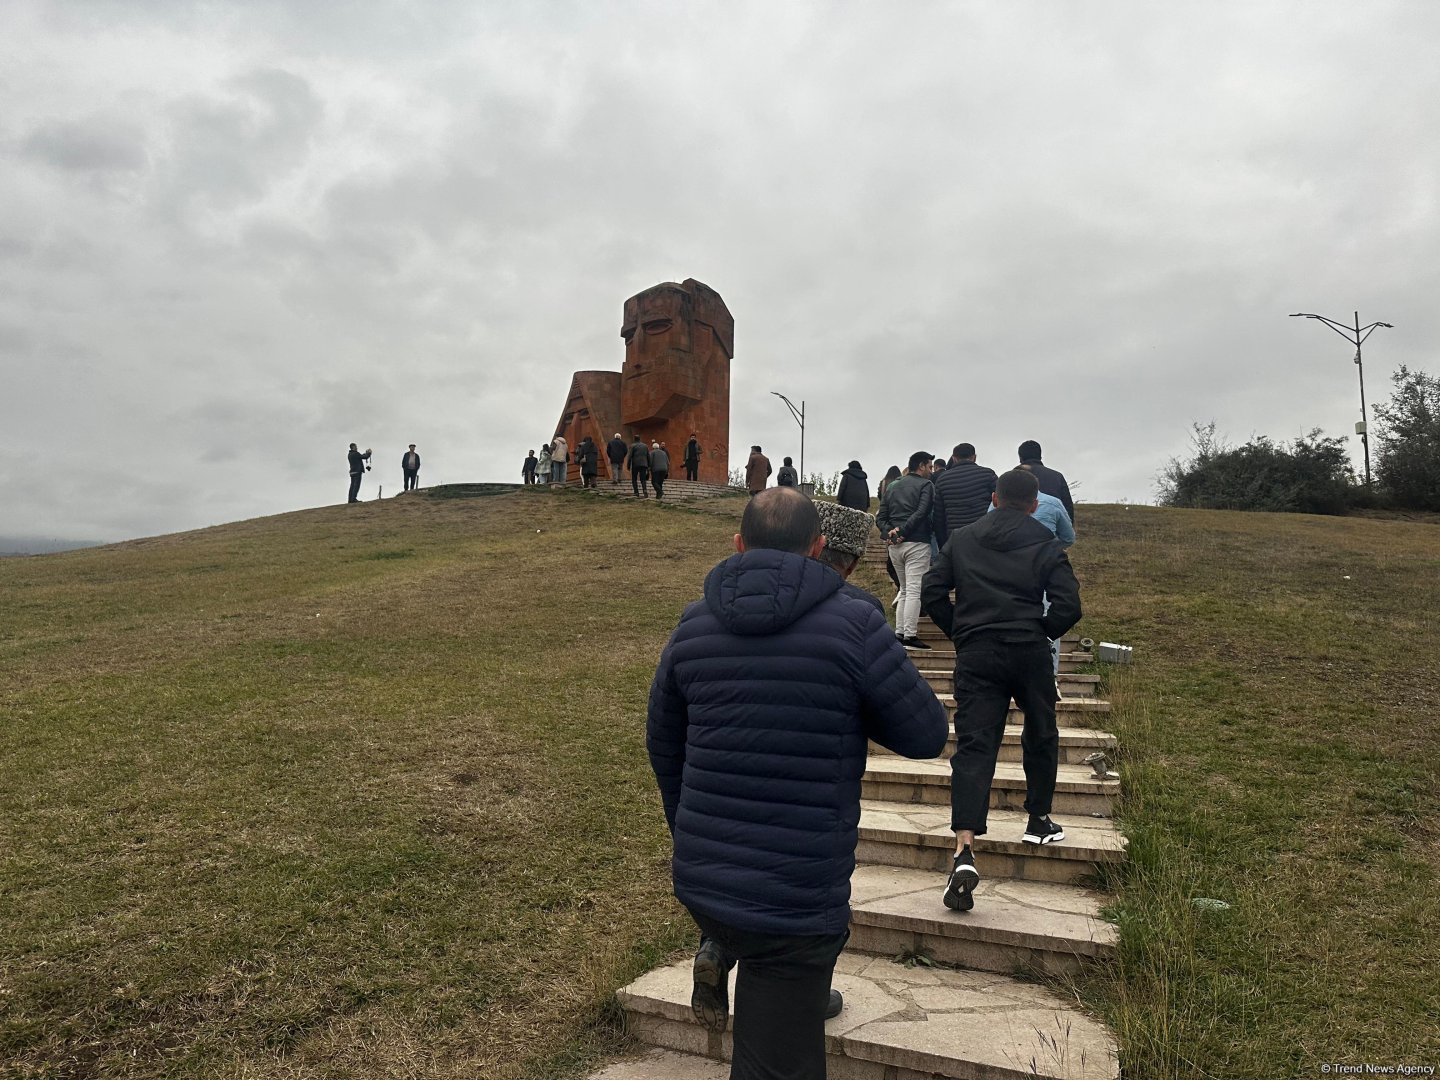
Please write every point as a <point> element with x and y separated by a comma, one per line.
<point>844,529</point>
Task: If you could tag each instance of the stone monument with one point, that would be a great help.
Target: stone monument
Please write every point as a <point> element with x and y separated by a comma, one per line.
<point>679,341</point>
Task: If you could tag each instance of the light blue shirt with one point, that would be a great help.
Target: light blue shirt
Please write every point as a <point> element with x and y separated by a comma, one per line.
<point>1051,513</point>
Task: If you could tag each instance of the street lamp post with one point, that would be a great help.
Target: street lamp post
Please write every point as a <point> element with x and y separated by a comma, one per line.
<point>1356,335</point>
<point>799,415</point>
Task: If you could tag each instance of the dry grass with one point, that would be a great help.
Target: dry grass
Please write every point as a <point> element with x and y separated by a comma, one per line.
<point>362,792</point>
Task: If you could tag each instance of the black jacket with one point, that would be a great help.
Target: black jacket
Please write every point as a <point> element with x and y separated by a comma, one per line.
<point>587,456</point>
<point>357,461</point>
<point>907,506</point>
<point>962,496</point>
<point>854,489</point>
<point>405,462</point>
<point>639,456</point>
<point>1052,482</point>
<point>1001,569</point>
<point>693,452</point>
<point>616,450</point>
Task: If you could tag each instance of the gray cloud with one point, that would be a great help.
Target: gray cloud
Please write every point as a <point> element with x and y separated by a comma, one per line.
<point>283,230</point>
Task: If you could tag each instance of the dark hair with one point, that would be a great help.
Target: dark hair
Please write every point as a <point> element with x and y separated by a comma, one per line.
<point>789,461</point>
<point>1016,489</point>
<point>964,450</point>
<point>780,518</point>
<point>918,458</point>
<point>1030,450</point>
<point>892,472</point>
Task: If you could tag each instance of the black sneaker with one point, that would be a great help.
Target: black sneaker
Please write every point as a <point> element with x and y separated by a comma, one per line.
<point>914,644</point>
<point>1042,830</point>
<point>837,1003</point>
<point>710,998</point>
<point>960,886</point>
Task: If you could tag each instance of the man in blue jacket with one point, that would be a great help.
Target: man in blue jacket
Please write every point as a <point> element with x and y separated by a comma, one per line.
<point>759,714</point>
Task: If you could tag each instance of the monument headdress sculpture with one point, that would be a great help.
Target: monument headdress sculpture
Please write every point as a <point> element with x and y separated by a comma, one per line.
<point>679,341</point>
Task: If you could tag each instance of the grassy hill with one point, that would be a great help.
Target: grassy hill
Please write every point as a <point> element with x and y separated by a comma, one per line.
<point>362,792</point>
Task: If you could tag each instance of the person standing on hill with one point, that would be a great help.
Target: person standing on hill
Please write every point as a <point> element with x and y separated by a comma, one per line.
<point>559,460</point>
<point>543,470</point>
<point>962,493</point>
<point>904,521</point>
<point>587,456</point>
<point>659,469</point>
<point>757,727</point>
<point>854,490</point>
<point>757,471</point>
<point>1001,569</point>
<point>410,467</point>
<point>358,468</point>
<point>615,451</point>
<point>527,468</point>
<point>640,468</point>
<point>693,453</point>
<point>787,476</point>
<point>1051,481</point>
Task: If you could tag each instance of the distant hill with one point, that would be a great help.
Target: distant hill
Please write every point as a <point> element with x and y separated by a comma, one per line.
<point>42,545</point>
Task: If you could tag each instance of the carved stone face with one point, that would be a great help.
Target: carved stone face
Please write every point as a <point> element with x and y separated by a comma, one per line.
<point>673,346</point>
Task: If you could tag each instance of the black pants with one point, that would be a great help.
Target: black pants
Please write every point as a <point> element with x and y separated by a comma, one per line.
<point>412,479</point>
<point>781,993</point>
<point>355,486</point>
<point>639,475</point>
<point>587,479</point>
<point>658,480</point>
<point>692,470</point>
<point>988,673</point>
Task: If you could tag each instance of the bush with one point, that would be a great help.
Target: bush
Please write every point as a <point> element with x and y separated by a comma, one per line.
<point>1312,475</point>
<point>1408,437</point>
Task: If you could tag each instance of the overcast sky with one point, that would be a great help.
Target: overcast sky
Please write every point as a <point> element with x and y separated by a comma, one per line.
<point>234,237</point>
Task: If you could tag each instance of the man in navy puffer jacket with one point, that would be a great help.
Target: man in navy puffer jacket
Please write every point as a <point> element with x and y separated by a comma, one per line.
<point>759,714</point>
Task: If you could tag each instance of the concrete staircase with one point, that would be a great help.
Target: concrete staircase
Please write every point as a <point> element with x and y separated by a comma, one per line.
<point>675,490</point>
<point>980,1014</point>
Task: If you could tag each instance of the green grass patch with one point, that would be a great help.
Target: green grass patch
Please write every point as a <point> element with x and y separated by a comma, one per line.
<point>362,791</point>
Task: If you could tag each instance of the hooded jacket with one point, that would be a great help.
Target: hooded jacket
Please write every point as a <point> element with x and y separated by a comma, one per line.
<point>1001,569</point>
<point>587,456</point>
<point>854,489</point>
<point>757,726</point>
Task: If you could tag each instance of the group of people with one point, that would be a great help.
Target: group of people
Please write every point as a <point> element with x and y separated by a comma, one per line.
<point>771,686</point>
<point>360,465</point>
<point>649,465</point>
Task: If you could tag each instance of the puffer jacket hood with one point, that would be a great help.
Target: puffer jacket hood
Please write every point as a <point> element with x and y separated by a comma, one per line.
<point>856,471</point>
<point>762,591</point>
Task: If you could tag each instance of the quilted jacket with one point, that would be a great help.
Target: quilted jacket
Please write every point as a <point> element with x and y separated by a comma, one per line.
<point>758,719</point>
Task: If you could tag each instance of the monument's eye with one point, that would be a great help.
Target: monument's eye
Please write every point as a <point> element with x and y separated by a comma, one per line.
<point>628,333</point>
<point>657,326</point>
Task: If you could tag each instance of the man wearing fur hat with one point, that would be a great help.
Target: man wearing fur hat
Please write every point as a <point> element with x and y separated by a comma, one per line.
<point>846,532</point>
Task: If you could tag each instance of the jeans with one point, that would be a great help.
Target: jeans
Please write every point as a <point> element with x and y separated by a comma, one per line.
<point>657,479</point>
<point>557,472</point>
<point>781,992</point>
<point>910,559</point>
<point>355,487</point>
<point>412,480</point>
<point>639,477</point>
<point>988,673</point>
<point>617,471</point>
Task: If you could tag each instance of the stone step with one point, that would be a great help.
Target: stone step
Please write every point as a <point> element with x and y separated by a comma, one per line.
<point>918,837</point>
<point>902,1023</point>
<point>664,1065</point>
<point>1038,927</point>
<point>1075,712</point>
<point>1076,744</point>
<point>942,653</point>
<point>942,680</point>
<point>901,780</point>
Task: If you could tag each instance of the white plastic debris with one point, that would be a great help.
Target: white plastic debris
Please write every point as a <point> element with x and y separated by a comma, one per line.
<point>1206,903</point>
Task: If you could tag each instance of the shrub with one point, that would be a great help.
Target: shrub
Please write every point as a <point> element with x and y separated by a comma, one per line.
<point>1408,437</point>
<point>1312,475</point>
